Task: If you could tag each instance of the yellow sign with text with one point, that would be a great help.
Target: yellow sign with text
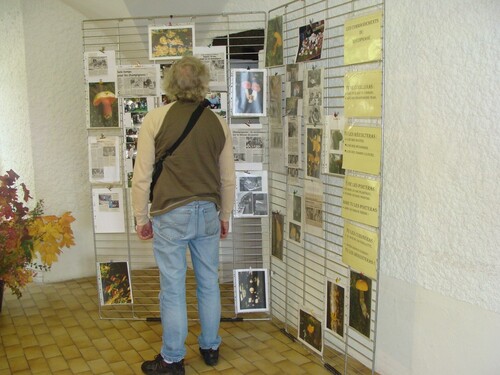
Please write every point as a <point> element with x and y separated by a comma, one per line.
<point>363,39</point>
<point>360,249</point>
<point>362,149</point>
<point>363,94</point>
<point>360,200</point>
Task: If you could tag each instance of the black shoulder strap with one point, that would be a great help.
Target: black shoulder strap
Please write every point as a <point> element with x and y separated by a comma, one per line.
<point>190,125</point>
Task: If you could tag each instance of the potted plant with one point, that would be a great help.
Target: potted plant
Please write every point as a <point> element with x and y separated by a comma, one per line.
<point>30,241</point>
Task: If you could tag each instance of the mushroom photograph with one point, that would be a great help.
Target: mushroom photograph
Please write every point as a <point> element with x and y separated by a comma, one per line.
<point>310,41</point>
<point>335,308</point>
<point>170,42</point>
<point>309,331</point>
<point>252,294</point>
<point>274,42</point>
<point>277,235</point>
<point>249,92</point>
<point>103,106</point>
<point>360,298</point>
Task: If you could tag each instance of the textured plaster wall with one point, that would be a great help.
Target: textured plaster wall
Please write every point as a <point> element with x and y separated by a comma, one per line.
<point>54,65</point>
<point>439,301</point>
<point>442,148</point>
<point>15,138</point>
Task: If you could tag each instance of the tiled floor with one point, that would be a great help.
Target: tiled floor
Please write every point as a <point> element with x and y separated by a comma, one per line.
<point>56,329</point>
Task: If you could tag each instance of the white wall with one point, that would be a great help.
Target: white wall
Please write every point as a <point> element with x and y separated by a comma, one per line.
<point>439,306</point>
<point>15,139</point>
<point>54,66</point>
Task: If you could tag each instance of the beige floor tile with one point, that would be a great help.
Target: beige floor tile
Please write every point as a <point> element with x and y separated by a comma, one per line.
<point>19,321</point>
<point>14,351</point>
<point>93,333</point>
<point>231,371</point>
<point>39,366</point>
<point>131,356</point>
<point>40,329</point>
<point>50,351</point>
<point>23,330</point>
<point>69,321</point>
<point>69,372</point>
<point>102,343</point>
<point>63,340</point>
<point>122,345</point>
<point>315,368</point>
<point>99,366</point>
<point>139,344</point>
<point>250,354</point>
<point>121,368</point>
<point>70,352</point>
<point>90,353</point>
<point>28,340</point>
<point>57,363</point>
<point>295,357</point>
<point>33,352</point>
<point>4,364</point>
<point>290,368</point>
<point>272,356</point>
<point>78,365</point>
<point>129,333</point>
<point>45,339</point>
<point>58,330</point>
<point>18,363</point>
<point>267,367</point>
<point>243,365</point>
<point>11,340</point>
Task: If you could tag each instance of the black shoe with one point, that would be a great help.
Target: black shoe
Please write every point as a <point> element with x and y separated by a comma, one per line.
<point>159,366</point>
<point>210,356</point>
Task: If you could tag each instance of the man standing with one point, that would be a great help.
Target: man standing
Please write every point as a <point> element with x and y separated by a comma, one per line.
<point>192,202</point>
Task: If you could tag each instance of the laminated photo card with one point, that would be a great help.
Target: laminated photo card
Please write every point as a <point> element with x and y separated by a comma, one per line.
<point>251,292</point>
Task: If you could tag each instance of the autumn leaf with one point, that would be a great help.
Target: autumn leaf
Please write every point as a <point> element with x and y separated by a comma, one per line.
<point>26,192</point>
<point>26,234</point>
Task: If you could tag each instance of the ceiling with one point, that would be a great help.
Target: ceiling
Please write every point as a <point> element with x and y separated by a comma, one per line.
<point>99,9</point>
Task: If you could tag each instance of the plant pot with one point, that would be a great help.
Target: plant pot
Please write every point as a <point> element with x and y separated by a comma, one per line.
<point>1,293</point>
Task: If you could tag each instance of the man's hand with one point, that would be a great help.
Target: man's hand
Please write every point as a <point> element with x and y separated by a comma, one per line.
<point>224,229</point>
<point>145,232</point>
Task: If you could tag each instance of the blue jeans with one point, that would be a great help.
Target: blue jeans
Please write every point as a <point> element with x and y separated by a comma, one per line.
<point>195,225</point>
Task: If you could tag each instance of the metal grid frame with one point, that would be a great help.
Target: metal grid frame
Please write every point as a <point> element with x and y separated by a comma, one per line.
<point>299,280</point>
<point>247,245</point>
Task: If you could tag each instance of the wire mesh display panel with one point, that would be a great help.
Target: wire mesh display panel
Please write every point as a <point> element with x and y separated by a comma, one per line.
<point>300,277</point>
<point>247,245</point>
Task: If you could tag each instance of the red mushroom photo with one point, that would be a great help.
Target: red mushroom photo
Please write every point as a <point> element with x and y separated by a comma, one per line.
<point>103,106</point>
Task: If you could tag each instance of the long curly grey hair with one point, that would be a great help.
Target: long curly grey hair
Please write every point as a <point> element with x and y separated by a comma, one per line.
<point>187,80</point>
